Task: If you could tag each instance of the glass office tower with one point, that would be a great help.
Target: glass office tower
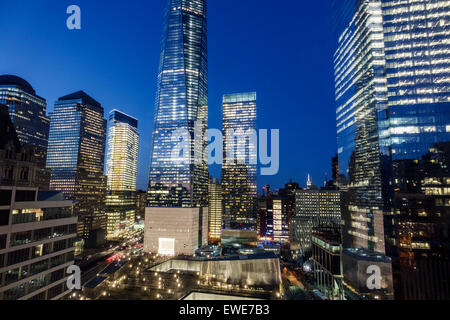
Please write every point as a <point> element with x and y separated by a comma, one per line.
<point>76,157</point>
<point>238,169</point>
<point>121,172</point>
<point>393,110</point>
<point>181,106</point>
<point>28,114</point>
<point>361,101</point>
<point>122,154</point>
<point>417,45</point>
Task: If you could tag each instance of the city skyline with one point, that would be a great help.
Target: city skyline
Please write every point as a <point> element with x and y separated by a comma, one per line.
<point>137,97</point>
<point>374,225</point>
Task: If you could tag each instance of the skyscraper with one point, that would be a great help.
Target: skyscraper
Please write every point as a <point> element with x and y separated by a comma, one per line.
<point>417,37</point>
<point>239,163</point>
<point>181,105</point>
<point>76,157</point>
<point>28,114</point>
<point>393,106</point>
<point>179,180</point>
<point>360,97</point>
<point>121,171</point>
<point>309,182</point>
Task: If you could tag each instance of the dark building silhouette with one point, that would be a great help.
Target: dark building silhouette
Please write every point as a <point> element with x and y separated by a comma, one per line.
<point>28,115</point>
<point>141,202</point>
<point>326,248</point>
<point>288,192</point>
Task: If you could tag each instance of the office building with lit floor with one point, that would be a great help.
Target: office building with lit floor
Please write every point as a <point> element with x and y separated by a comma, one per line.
<point>121,173</point>
<point>273,218</point>
<point>177,200</point>
<point>239,162</point>
<point>393,111</point>
<point>28,115</point>
<point>314,208</point>
<point>76,156</point>
<point>215,212</point>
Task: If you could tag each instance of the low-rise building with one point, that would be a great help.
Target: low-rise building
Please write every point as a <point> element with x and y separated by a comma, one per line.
<point>174,231</point>
<point>361,267</point>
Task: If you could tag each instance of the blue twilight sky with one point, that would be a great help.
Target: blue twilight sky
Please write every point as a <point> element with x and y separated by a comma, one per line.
<point>283,50</point>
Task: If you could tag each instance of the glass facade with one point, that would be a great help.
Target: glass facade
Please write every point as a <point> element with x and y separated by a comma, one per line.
<point>238,169</point>
<point>121,172</point>
<point>361,101</point>
<point>76,157</point>
<point>393,108</point>
<point>28,114</point>
<point>181,104</point>
<point>122,153</point>
<point>416,39</point>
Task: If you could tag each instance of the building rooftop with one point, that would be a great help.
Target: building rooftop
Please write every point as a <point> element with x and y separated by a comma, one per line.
<point>239,97</point>
<point>362,254</point>
<point>121,117</point>
<point>328,233</point>
<point>8,79</point>
<point>81,95</point>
